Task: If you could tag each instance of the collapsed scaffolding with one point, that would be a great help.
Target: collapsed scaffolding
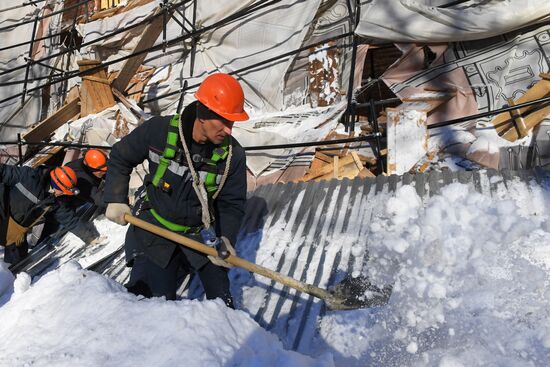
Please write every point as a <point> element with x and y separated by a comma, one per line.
<point>385,155</point>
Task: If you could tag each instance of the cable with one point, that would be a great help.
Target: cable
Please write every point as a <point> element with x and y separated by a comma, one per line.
<point>488,113</point>
<point>72,74</point>
<point>114,33</point>
<point>250,148</point>
<point>45,16</point>
<point>23,5</point>
<point>246,68</point>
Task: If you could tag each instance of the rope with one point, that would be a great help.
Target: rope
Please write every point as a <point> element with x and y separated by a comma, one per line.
<point>225,171</point>
<point>198,184</point>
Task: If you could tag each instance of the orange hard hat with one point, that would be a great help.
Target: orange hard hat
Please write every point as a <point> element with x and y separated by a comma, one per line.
<point>223,94</point>
<point>64,179</point>
<point>96,160</point>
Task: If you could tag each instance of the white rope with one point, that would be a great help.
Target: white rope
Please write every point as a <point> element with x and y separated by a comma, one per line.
<point>198,184</point>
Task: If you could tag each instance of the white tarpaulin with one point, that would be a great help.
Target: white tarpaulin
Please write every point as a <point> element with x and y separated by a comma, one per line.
<point>15,116</point>
<point>264,34</point>
<point>13,113</point>
<point>292,126</point>
<point>260,36</point>
<point>420,21</point>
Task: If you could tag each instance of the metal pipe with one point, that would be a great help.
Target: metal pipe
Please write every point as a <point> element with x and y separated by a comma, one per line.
<point>488,113</point>
<point>246,68</point>
<point>20,149</point>
<point>22,5</point>
<point>250,148</point>
<point>164,20</point>
<point>114,33</point>
<point>73,74</point>
<point>314,143</point>
<point>36,40</point>
<point>45,16</point>
<point>194,39</point>
<point>378,103</point>
<point>349,110</point>
<point>378,143</point>
<point>29,60</point>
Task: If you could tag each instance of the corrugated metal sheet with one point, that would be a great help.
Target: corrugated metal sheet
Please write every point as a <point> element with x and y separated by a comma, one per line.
<point>330,221</point>
<point>314,232</point>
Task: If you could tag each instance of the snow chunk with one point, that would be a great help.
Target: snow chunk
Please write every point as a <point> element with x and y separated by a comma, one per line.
<point>77,317</point>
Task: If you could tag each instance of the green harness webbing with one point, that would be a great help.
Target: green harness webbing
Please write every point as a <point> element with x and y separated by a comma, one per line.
<point>219,154</point>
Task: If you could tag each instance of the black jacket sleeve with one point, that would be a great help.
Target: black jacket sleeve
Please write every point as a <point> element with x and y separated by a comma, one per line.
<point>126,154</point>
<point>11,175</point>
<point>69,220</point>
<point>230,204</point>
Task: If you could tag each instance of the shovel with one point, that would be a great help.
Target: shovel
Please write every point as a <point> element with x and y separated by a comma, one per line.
<point>348,295</point>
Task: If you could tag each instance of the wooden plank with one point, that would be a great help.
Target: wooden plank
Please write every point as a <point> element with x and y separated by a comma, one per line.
<point>533,119</point>
<point>518,120</point>
<point>96,91</point>
<point>96,79</point>
<point>336,167</point>
<point>117,10</point>
<point>53,122</point>
<point>365,173</point>
<point>407,138</point>
<point>327,169</point>
<point>504,123</point>
<point>147,40</point>
<point>350,171</point>
<point>357,160</point>
<point>42,157</point>
<point>140,114</point>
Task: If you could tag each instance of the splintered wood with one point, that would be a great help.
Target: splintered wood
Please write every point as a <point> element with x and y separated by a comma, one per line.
<point>325,167</point>
<point>95,93</point>
<point>517,124</point>
<point>407,138</point>
<point>50,124</point>
<point>407,129</point>
<point>137,84</point>
<point>323,75</point>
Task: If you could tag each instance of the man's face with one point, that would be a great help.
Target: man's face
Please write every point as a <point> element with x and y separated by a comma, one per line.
<point>99,174</point>
<point>216,130</point>
<point>57,192</point>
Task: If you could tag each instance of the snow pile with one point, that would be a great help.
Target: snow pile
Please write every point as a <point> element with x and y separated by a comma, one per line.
<point>74,317</point>
<point>470,286</point>
<point>6,283</point>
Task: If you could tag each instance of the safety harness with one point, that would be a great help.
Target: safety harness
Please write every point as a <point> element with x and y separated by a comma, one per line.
<point>208,188</point>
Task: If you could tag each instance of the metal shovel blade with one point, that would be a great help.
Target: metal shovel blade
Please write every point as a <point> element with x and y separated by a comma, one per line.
<point>354,293</point>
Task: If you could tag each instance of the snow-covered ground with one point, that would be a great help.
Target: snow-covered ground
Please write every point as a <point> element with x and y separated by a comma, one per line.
<point>470,274</point>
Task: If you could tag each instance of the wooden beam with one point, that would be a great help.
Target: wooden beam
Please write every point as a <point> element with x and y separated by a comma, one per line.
<point>135,109</point>
<point>518,120</point>
<point>52,123</point>
<point>95,93</point>
<point>43,157</point>
<point>327,169</point>
<point>336,167</point>
<point>147,40</point>
<point>504,124</point>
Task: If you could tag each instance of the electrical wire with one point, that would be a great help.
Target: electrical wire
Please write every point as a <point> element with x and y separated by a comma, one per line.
<point>73,74</point>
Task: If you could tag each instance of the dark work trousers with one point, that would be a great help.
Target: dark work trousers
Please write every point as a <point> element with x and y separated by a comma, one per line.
<point>14,254</point>
<point>150,280</point>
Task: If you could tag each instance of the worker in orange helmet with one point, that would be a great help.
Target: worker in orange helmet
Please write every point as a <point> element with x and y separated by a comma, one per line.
<point>90,170</point>
<point>29,196</point>
<point>196,186</point>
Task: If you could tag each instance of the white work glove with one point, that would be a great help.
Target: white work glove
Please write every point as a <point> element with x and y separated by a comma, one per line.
<point>226,249</point>
<point>115,212</point>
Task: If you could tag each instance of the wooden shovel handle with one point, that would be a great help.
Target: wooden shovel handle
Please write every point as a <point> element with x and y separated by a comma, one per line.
<point>233,260</point>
